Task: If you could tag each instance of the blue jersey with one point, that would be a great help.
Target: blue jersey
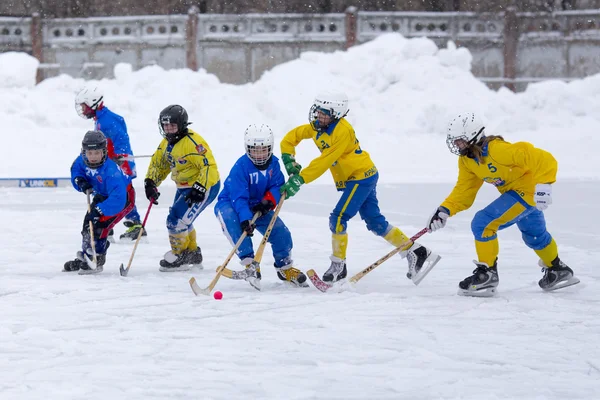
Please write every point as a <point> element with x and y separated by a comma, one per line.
<point>114,128</point>
<point>108,180</point>
<point>246,186</point>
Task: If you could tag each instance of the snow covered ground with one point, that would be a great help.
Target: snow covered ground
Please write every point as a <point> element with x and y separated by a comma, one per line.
<point>148,337</point>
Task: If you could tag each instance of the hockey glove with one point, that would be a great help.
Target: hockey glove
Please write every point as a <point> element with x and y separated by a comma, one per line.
<point>94,216</point>
<point>291,166</point>
<point>438,219</point>
<point>196,195</point>
<point>292,186</point>
<point>152,193</point>
<point>248,228</point>
<point>263,207</point>
<point>83,185</point>
<point>542,196</point>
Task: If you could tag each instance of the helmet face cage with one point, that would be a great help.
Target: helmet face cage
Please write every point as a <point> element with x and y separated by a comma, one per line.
<point>333,105</point>
<point>259,154</point>
<point>466,127</point>
<point>259,142</point>
<point>87,102</point>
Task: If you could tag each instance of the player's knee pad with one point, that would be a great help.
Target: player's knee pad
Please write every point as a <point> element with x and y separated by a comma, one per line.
<point>479,223</point>
<point>337,223</point>
<point>176,225</point>
<point>537,242</point>
<point>379,226</point>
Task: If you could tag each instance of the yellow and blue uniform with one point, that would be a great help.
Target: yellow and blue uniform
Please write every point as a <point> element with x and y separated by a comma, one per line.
<point>188,161</point>
<point>514,169</point>
<point>354,173</point>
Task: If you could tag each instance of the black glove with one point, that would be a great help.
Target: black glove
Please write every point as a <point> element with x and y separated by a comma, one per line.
<point>263,207</point>
<point>248,227</point>
<point>83,184</point>
<point>152,193</point>
<point>94,216</point>
<point>196,195</point>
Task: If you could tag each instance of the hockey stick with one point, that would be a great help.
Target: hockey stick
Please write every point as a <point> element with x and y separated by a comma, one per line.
<point>206,291</point>
<point>94,265</point>
<point>324,286</point>
<point>261,248</point>
<point>125,271</point>
<point>134,157</point>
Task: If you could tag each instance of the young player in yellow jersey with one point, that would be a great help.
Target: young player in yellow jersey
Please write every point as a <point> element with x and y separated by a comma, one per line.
<point>186,156</point>
<point>355,175</point>
<point>523,175</point>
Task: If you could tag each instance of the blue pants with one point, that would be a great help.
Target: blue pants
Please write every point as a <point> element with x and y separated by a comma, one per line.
<point>181,217</point>
<point>280,238</point>
<point>133,215</point>
<point>507,210</point>
<point>359,196</point>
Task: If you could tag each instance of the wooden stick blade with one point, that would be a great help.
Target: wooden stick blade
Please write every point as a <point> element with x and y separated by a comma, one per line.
<point>197,289</point>
<point>317,282</point>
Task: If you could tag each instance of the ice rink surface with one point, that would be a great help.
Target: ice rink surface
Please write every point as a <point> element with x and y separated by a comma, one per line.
<point>146,336</point>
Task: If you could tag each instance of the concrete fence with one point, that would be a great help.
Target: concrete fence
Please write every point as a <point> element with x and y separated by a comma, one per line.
<point>508,48</point>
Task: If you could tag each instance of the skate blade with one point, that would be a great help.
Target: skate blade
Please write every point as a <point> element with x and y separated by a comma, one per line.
<point>96,270</point>
<point>199,266</point>
<point>425,269</point>
<point>488,292</point>
<point>254,282</point>
<point>561,285</point>
<point>175,269</point>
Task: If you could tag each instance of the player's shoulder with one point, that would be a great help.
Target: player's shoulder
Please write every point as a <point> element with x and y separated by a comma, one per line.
<point>343,128</point>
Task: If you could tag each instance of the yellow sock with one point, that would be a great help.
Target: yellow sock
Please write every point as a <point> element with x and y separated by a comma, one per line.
<point>179,242</point>
<point>548,253</point>
<point>339,244</point>
<point>397,238</point>
<point>487,252</point>
<point>192,245</point>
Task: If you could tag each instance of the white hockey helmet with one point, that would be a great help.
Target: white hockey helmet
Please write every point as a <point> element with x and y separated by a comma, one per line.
<point>466,126</point>
<point>88,100</point>
<point>259,141</point>
<point>333,104</point>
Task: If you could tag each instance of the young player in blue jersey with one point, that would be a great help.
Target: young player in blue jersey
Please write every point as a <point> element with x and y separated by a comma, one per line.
<point>523,174</point>
<point>355,175</point>
<point>89,104</point>
<point>92,172</point>
<point>253,186</point>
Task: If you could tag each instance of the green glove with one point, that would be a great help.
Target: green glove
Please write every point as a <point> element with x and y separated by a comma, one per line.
<point>292,186</point>
<point>291,166</point>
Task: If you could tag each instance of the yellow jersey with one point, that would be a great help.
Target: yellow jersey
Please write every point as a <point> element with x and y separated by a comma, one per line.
<point>507,166</point>
<point>189,160</point>
<point>340,153</point>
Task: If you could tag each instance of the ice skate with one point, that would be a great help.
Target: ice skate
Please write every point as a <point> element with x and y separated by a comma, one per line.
<point>558,276</point>
<point>85,268</point>
<point>194,258</point>
<point>252,272</point>
<point>174,262</point>
<point>421,261</point>
<point>482,283</point>
<point>292,275</point>
<point>337,270</point>
<point>134,228</point>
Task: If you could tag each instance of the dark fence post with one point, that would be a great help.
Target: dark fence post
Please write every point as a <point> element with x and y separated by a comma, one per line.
<point>511,41</point>
<point>351,26</point>
<point>191,37</point>
<point>37,44</point>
